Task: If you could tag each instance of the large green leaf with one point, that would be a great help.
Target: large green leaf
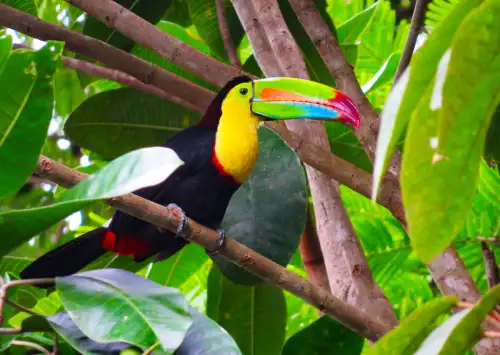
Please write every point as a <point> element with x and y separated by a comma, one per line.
<point>437,11</point>
<point>439,179</point>
<point>469,330</point>
<point>345,144</point>
<point>5,48</point>
<point>340,11</point>
<point>277,180</point>
<point>409,89</point>
<point>177,269</point>
<point>178,13</point>
<point>26,112</point>
<point>117,121</point>
<point>151,11</point>
<point>255,316</point>
<point>203,13</point>
<point>323,337</point>
<point>114,305</point>
<point>68,93</point>
<point>130,172</point>
<point>384,74</point>
<point>406,338</point>
<point>492,145</point>
<point>185,36</point>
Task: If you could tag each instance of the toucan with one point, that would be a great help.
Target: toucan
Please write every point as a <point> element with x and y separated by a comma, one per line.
<point>219,154</point>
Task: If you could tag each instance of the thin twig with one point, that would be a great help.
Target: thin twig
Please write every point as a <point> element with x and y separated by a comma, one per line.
<point>491,334</point>
<point>28,344</point>
<point>226,35</point>
<point>490,265</point>
<point>22,308</point>
<point>239,254</point>
<point>493,240</point>
<point>6,286</point>
<point>55,349</point>
<point>150,350</point>
<point>411,41</point>
<point>6,331</point>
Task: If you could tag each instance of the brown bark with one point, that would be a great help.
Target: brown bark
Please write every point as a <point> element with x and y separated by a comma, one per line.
<point>226,35</point>
<point>234,251</point>
<point>349,275</point>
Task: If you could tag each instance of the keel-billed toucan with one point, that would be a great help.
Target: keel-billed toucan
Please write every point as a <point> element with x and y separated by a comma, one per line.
<point>219,153</point>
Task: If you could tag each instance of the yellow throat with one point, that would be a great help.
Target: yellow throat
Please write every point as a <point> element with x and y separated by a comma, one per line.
<point>236,141</point>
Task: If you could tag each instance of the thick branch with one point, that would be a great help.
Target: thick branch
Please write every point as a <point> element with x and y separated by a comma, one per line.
<point>416,23</point>
<point>490,266</point>
<point>234,251</point>
<point>447,269</point>
<point>349,275</point>
<point>226,34</point>
<point>141,31</point>
<point>110,56</point>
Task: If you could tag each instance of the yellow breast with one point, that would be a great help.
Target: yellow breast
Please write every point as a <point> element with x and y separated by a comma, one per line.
<point>236,142</point>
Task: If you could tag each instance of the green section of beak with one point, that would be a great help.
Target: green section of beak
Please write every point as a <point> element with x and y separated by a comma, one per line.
<point>290,98</point>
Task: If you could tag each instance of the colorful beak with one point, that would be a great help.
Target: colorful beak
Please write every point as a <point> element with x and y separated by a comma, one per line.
<point>290,98</point>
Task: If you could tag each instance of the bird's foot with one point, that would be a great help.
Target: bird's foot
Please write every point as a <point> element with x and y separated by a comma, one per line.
<point>180,216</point>
<point>220,241</point>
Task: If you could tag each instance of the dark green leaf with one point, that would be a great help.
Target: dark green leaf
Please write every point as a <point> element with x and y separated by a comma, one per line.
<point>69,331</point>
<point>117,121</point>
<point>464,106</point>
<point>151,11</point>
<point>492,145</point>
<point>323,337</point>
<point>203,13</point>
<point>26,112</point>
<point>178,13</point>
<point>206,337</point>
<point>137,169</point>
<point>35,324</point>
<point>177,269</point>
<point>126,308</point>
<point>409,89</point>
<point>5,48</point>
<point>349,31</point>
<point>277,180</point>
<point>406,338</point>
<point>255,316</point>
<point>345,144</point>
<point>185,36</point>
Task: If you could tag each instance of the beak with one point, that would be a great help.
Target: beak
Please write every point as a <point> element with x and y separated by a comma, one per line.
<point>290,98</point>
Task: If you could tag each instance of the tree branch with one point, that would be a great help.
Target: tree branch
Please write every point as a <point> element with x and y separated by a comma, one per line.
<point>348,272</point>
<point>226,34</point>
<point>490,266</point>
<point>28,344</point>
<point>234,251</point>
<point>416,22</point>
<point>110,56</point>
<point>141,31</point>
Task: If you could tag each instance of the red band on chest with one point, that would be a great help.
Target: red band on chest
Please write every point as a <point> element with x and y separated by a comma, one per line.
<point>126,245</point>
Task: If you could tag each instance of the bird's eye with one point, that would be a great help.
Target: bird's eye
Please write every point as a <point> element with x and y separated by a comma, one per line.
<point>243,91</point>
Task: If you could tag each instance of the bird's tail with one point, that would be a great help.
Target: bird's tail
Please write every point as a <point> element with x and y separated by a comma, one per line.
<point>69,258</point>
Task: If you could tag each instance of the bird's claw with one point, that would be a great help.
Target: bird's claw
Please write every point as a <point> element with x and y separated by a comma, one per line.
<point>220,240</point>
<point>180,216</point>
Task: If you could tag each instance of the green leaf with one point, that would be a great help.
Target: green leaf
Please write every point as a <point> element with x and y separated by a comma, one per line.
<point>437,11</point>
<point>185,36</point>
<point>27,6</point>
<point>5,48</point>
<point>125,307</point>
<point>434,342</point>
<point>409,89</point>
<point>345,144</point>
<point>469,330</point>
<point>340,11</point>
<point>68,93</point>
<point>26,112</point>
<point>492,145</point>
<point>117,121</point>
<point>130,172</point>
<point>151,11</point>
<point>203,13</point>
<point>349,31</point>
<point>433,176</point>
<point>178,268</point>
<point>406,338</point>
<point>277,180</point>
<point>178,13</point>
<point>384,74</point>
<point>325,336</point>
<point>255,316</point>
